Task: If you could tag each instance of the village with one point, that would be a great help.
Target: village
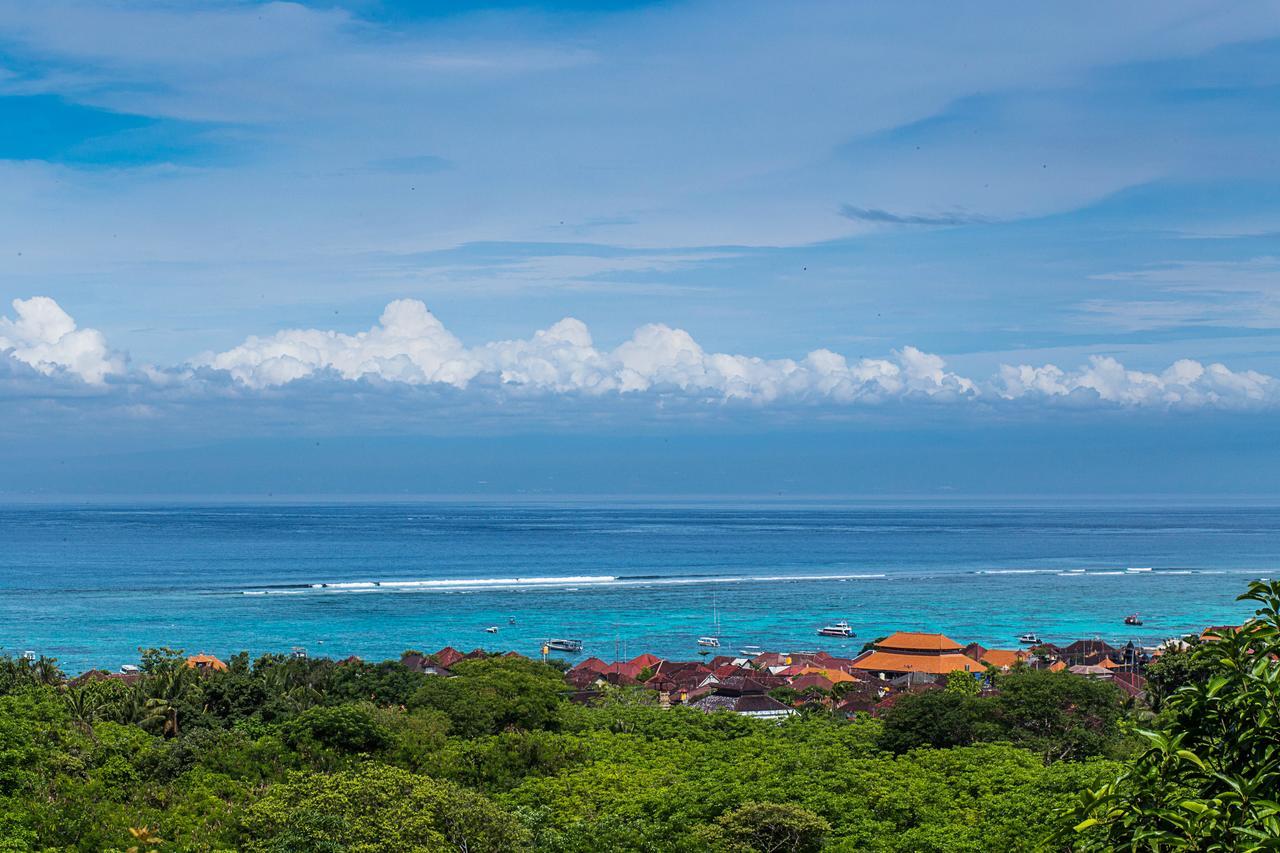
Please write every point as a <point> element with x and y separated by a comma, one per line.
<point>775,685</point>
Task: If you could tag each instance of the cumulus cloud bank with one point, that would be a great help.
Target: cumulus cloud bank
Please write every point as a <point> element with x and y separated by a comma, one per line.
<point>44,337</point>
<point>410,346</point>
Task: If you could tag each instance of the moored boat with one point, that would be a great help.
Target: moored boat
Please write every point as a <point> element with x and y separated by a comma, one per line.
<point>560,645</point>
<point>840,629</point>
<point>709,642</point>
<point>1029,639</point>
<point>1133,619</point>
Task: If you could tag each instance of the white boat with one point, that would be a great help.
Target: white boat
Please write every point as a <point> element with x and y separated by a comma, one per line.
<point>492,629</point>
<point>712,640</point>
<point>130,668</point>
<point>564,645</point>
<point>840,629</point>
<point>1029,639</point>
<point>750,651</point>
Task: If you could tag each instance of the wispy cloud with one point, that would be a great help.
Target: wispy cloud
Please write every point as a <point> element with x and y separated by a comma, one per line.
<point>878,216</point>
<point>1244,293</point>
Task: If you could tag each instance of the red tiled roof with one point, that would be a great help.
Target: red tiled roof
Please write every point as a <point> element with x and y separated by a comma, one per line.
<point>447,656</point>
<point>645,659</point>
<point>804,682</point>
<point>593,664</point>
<point>627,668</point>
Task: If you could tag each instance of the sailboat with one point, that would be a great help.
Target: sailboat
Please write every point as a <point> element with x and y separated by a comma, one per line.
<point>712,640</point>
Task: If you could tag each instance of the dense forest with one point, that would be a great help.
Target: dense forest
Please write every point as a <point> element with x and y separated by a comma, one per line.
<point>283,754</point>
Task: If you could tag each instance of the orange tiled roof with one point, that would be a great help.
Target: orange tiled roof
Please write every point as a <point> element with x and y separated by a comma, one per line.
<point>835,676</point>
<point>1003,657</point>
<point>919,642</point>
<point>203,661</point>
<point>1057,666</point>
<point>888,661</point>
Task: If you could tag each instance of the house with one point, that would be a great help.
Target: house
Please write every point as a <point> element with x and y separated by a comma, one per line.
<point>861,699</point>
<point>206,663</point>
<point>644,661</point>
<point>426,664</point>
<point>1004,659</point>
<point>905,651</point>
<point>910,680</point>
<point>592,664</point>
<point>446,657</point>
<point>1131,683</point>
<point>584,679</point>
<point>806,682</point>
<point>102,675</point>
<point>744,696</point>
<point>1087,652</point>
<point>756,705</point>
<point>1091,671</point>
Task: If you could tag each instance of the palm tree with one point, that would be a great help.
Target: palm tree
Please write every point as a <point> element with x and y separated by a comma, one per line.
<point>166,690</point>
<point>85,707</point>
<point>45,671</point>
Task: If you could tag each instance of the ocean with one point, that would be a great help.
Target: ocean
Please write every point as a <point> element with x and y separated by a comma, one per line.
<point>91,584</point>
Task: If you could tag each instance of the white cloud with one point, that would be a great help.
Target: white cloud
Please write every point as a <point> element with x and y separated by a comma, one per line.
<point>410,347</point>
<point>1186,383</point>
<point>45,337</point>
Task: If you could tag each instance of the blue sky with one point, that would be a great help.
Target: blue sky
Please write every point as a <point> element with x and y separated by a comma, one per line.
<point>254,226</point>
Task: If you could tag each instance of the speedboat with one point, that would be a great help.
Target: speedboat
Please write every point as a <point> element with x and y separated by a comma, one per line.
<point>564,645</point>
<point>840,629</point>
<point>1133,619</point>
<point>709,642</point>
<point>492,629</point>
<point>1029,639</point>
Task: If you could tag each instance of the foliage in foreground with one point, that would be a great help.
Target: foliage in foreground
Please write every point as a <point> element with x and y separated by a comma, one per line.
<point>285,755</point>
<point>1210,778</point>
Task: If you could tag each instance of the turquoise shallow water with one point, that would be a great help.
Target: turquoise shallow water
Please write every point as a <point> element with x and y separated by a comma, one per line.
<point>90,585</point>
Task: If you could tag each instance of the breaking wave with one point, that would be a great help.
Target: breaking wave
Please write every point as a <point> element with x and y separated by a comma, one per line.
<point>561,582</point>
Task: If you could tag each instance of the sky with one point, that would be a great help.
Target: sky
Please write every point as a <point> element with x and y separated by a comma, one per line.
<point>712,248</point>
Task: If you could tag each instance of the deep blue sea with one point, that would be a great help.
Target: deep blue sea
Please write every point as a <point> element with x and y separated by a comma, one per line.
<point>91,584</point>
